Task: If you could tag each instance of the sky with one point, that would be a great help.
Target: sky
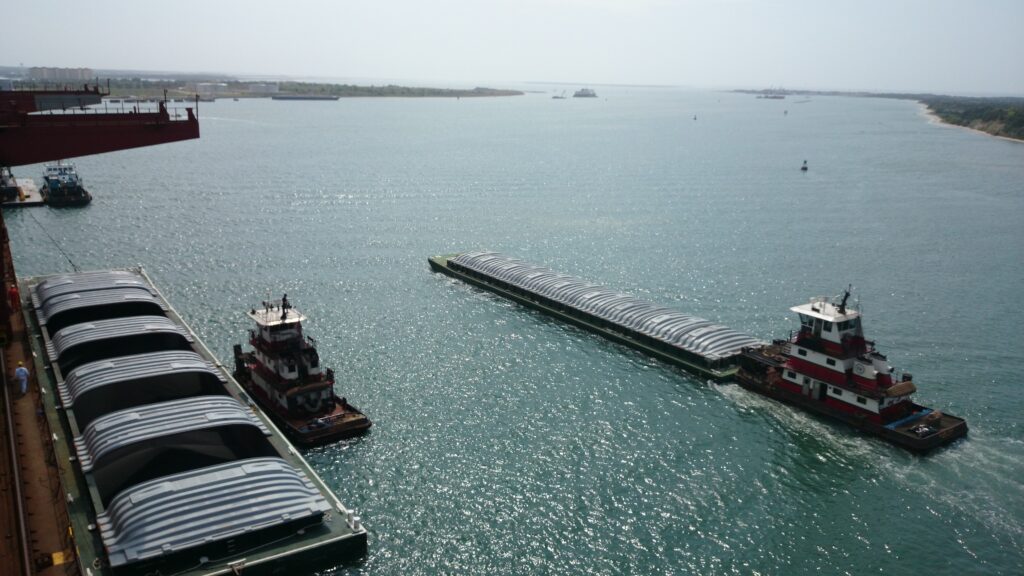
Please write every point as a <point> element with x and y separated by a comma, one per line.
<point>942,46</point>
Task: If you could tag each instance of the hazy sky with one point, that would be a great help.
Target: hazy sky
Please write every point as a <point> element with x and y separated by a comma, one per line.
<point>962,46</point>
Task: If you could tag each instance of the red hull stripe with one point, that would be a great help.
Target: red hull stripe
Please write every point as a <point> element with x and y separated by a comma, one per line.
<point>895,412</point>
<point>817,372</point>
<point>851,409</point>
<point>829,348</point>
<point>865,382</point>
<point>791,387</point>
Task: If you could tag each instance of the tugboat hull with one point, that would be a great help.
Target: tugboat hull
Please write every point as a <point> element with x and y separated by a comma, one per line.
<point>67,200</point>
<point>921,431</point>
<point>343,421</point>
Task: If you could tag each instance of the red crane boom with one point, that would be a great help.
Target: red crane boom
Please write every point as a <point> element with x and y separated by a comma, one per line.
<point>46,125</point>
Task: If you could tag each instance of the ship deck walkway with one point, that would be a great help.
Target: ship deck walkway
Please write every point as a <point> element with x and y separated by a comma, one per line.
<point>33,517</point>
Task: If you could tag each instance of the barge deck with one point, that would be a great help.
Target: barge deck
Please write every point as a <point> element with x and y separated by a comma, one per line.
<point>165,464</point>
<point>693,344</point>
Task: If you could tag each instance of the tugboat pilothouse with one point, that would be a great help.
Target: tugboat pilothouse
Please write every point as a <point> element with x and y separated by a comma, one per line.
<point>830,368</point>
<point>284,375</point>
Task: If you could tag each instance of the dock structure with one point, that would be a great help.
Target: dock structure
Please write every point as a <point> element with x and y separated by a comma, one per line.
<point>166,464</point>
<point>26,193</point>
<point>694,344</point>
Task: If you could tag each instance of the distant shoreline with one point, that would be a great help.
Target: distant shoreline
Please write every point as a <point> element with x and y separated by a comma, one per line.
<point>1001,117</point>
<point>148,89</point>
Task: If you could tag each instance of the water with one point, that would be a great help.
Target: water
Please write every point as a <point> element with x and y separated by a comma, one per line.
<point>506,442</point>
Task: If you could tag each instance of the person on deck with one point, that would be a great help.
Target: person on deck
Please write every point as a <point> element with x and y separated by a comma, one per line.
<point>21,373</point>
<point>14,297</point>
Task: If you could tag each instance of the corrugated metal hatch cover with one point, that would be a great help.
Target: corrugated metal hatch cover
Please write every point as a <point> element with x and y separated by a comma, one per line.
<point>173,513</point>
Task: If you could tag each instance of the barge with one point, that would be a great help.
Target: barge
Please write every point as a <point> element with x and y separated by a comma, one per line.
<point>827,367</point>
<point>694,344</point>
<point>304,97</point>
<point>284,375</point>
<point>165,464</point>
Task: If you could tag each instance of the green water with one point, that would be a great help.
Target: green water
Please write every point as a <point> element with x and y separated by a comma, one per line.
<point>508,443</point>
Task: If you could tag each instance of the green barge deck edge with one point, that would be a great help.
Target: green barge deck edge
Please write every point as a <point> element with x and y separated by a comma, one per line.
<point>440,264</point>
<point>332,543</point>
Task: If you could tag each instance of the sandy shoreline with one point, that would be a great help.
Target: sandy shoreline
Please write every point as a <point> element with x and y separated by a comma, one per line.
<point>934,118</point>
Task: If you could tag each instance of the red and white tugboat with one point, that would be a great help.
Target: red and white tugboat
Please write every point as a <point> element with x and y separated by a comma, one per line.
<point>284,375</point>
<point>829,367</point>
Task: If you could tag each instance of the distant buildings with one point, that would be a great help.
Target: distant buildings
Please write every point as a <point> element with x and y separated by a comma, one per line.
<point>263,88</point>
<point>210,89</point>
<point>60,74</point>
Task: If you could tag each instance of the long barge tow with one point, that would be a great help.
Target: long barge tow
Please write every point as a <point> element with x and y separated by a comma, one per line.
<point>165,463</point>
<point>827,367</point>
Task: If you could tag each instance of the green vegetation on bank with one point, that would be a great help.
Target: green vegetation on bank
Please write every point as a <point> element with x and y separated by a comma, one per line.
<point>999,116</point>
<point>186,88</point>
<point>391,90</point>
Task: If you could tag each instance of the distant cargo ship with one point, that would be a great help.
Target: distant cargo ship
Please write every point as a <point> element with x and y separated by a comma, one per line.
<point>584,93</point>
<point>303,97</point>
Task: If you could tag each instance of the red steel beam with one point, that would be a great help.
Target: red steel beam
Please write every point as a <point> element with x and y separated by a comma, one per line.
<point>33,138</point>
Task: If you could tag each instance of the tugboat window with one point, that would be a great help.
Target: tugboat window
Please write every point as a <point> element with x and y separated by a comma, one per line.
<point>801,352</point>
<point>830,361</point>
<point>791,374</point>
<point>828,326</point>
<point>861,400</point>
<point>837,391</point>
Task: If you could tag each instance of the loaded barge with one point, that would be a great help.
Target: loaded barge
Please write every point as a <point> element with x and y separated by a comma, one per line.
<point>695,344</point>
<point>827,367</point>
<point>166,465</point>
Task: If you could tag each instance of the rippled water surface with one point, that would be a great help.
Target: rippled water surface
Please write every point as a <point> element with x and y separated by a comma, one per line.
<point>506,442</point>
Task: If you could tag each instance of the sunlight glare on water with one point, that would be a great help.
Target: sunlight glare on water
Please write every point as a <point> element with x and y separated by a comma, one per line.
<point>505,442</point>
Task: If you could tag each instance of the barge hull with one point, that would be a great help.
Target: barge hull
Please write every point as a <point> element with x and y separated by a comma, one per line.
<point>721,373</point>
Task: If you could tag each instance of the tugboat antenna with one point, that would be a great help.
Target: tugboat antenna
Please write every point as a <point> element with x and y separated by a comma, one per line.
<point>846,296</point>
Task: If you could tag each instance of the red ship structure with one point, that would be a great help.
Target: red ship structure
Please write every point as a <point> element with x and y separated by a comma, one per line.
<point>48,125</point>
<point>284,375</point>
<point>828,367</point>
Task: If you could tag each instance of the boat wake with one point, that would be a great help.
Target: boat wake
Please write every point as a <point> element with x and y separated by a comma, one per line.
<point>986,461</point>
<point>786,419</point>
<point>949,477</point>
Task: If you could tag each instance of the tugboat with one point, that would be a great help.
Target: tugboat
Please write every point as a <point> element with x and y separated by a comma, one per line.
<point>62,186</point>
<point>828,367</point>
<point>284,375</point>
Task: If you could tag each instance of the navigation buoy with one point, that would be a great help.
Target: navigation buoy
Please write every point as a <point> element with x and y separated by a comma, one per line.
<point>804,167</point>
